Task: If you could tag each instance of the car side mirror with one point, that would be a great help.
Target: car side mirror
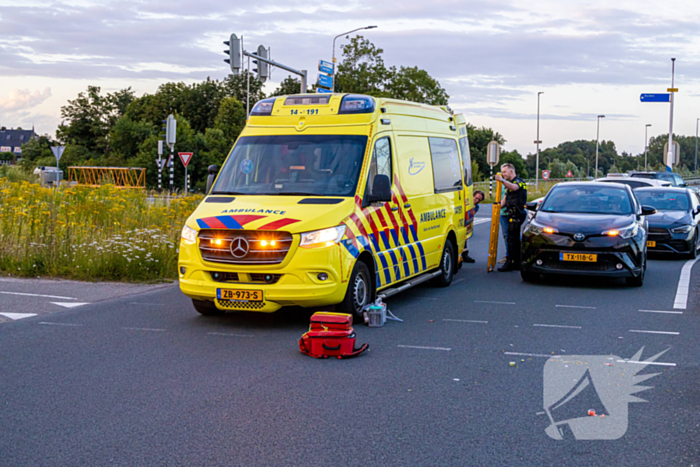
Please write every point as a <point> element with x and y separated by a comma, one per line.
<point>381,189</point>
<point>213,170</point>
<point>531,206</point>
<point>648,210</point>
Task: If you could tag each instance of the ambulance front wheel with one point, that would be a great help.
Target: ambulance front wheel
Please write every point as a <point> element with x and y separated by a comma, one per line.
<point>206,307</point>
<point>447,266</point>
<point>359,294</point>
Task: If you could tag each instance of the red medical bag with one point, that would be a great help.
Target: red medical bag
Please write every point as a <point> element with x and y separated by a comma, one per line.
<point>330,335</point>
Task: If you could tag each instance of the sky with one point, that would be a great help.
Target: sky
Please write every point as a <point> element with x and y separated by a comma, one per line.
<point>492,57</point>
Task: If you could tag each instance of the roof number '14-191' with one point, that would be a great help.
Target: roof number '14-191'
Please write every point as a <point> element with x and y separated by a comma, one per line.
<point>304,111</point>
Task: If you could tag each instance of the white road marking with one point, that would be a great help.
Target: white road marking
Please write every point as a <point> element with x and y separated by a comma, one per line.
<point>481,221</point>
<point>576,306</point>
<point>556,326</point>
<point>466,321</point>
<point>424,348</point>
<point>232,335</point>
<point>658,311</point>
<point>59,324</point>
<point>646,363</point>
<point>145,329</point>
<point>16,316</point>
<point>69,305</point>
<point>38,295</point>
<point>494,303</point>
<point>681,301</point>
<point>530,354</point>
<point>672,333</point>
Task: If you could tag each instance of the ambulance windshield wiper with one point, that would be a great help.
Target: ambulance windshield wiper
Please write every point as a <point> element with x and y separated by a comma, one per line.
<point>229,193</point>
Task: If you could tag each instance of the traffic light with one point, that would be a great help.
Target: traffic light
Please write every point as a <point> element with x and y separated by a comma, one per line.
<point>170,129</point>
<point>234,53</point>
<point>263,68</point>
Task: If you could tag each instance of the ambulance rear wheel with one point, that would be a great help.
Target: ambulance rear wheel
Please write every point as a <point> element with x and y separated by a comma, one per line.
<point>207,308</point>
<point>447,266</point>
<point>359,294</point>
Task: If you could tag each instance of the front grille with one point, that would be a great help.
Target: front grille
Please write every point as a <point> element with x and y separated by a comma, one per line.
<point>218,246</point>
<point>657,230</point>
<point>234,305</point>
<point>576,266</point>
<point>678,245</point>
<point>256,278</point>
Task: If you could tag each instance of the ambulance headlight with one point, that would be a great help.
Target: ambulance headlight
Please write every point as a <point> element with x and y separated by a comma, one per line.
<point>321,238</point>
<point>189,235</point>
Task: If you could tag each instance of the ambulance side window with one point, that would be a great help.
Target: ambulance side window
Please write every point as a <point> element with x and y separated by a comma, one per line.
<point>447,170</point>
<point>378,188</point>
<point>466,160</point>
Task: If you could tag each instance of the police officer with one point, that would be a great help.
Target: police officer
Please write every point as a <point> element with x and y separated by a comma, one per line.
<point>514,203</point>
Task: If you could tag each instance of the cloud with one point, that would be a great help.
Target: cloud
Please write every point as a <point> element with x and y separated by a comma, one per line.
<point>21,99</point>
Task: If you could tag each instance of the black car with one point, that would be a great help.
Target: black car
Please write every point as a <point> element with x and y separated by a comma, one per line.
<point>587,228</point>
<point>674,228</point>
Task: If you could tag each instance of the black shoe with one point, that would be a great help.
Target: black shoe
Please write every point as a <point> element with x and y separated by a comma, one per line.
<point>467,259</point>
<point>509,266</point>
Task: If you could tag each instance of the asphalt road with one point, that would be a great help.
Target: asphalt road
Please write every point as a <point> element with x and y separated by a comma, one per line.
<point>144,380</point>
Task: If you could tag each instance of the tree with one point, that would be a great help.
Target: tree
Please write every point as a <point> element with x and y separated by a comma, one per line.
<point>230,120</point>
<point>514,157</point>
<point>479,139</point>
<point>288,86</point>
<point>414,84</point>
<point>236,86</point>
<point>362,71</point>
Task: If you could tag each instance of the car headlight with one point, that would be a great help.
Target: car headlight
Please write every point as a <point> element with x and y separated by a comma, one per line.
<point>321,238</point>
<point>682,229</point>
<point>625,232</point>
<point>189,235</point>
<point>538,229</point>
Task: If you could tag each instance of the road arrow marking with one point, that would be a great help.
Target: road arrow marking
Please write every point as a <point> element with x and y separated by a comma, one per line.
<point>69,305</point>
<point>15,316</point>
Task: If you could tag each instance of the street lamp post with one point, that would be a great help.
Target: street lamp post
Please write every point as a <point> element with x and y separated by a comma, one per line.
<point>340,35</point>
<point>646,145</point>
<point>597,143</point>
<point>669,156</point>
<point>537,160</point>
<point>696,145</point>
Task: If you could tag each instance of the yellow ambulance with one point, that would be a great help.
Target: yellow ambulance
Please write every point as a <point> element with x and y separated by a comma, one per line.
<point>330,199</point>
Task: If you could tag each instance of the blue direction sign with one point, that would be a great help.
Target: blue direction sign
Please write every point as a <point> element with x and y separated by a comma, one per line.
<point>322,90</point>
<point>655,98</point>
<point>325,67</point>
<point>325,81</point>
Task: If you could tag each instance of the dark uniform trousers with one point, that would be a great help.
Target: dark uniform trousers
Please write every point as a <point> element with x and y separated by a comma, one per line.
<point>515,204</point>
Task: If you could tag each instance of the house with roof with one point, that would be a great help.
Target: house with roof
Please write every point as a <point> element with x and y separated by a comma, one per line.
<point>11,140</point>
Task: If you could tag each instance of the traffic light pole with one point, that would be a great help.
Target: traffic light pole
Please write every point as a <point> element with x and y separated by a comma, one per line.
<point>302,74</point>
<point>172,174</point>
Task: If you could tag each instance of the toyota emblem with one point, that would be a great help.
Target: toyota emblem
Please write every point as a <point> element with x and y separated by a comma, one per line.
<point>579,237</point>
<point>239,247</point>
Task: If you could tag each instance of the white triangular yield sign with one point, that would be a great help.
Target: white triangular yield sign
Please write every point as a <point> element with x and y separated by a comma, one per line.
<point>69,304</point>
<point>17,315</point>
<point>185,157</point>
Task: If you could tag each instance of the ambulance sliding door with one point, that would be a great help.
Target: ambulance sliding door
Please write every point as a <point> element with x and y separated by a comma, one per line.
<point>418,204</point>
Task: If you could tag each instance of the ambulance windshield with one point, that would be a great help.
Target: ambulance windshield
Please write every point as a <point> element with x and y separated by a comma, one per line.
<point>316,165</point>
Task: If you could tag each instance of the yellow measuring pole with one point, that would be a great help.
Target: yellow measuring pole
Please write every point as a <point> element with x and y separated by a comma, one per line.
<point>495,225</point>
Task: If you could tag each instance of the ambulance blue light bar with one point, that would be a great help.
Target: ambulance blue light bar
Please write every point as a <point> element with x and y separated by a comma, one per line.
<point>263,107</point>
<point>356,104</point>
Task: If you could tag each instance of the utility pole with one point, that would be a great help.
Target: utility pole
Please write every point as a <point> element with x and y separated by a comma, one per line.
<point>696,145</point>
<point>333,55</point>
<point>537,160</point>
<point>646,145</point>
<point>672,90</point>
<point>597,143</point>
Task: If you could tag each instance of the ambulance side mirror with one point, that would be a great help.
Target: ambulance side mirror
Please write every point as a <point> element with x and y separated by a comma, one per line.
<point>381,189</point>
<point>213,170</point>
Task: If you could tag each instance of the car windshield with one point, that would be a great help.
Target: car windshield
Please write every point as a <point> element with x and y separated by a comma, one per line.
<point>663,200</point>
<point>587,200</point>
<point>316,165</point>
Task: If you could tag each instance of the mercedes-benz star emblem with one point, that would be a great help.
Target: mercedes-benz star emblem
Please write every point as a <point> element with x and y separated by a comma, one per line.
<point>239,247</point>
<point>579,237</point>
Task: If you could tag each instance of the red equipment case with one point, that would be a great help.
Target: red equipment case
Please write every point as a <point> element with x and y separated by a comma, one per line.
<point>330,335</point>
